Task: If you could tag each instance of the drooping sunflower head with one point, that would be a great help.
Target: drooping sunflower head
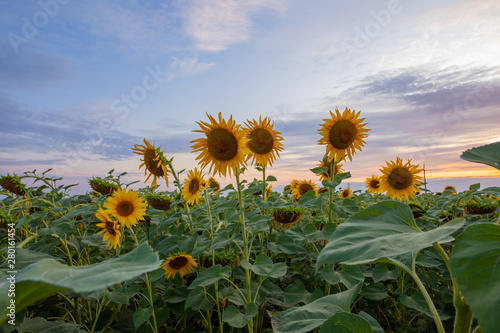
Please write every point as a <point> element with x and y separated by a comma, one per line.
<point>400,180</point>
<point>224,146</point>
<point>343,133</point>
<point>287,217</point>
<point>180,264</point>
<point>110,228</point>
<point>450,189</point>
<point>303,187</point>
<point>214,185</point>
<point>159,201</point>
<point>13,184</point>
<point>345,193</point>
<point>126,206</point>
<point>327,163</point>
<point>263,141</point>
<point>102,186</point>
<point>373,184</point>
<point>194,185</point>
<point>153,160</point>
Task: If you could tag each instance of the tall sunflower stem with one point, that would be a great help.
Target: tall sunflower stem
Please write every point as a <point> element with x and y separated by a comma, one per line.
<point>150,294</point>
<point>209,212</point>
<point>245,245</point>
<point>186,205</point>
<point>463,312</point>
<point>330,193</point>
<point>264,187</point>
<point>134,236</point>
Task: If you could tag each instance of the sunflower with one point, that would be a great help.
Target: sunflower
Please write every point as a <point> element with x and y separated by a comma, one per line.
<point>154,161</point>
<point>302,187</point>
<point>346,193</point>
<point>287,217</point>
<point>263,141</point>
<point>224,146</point>
<point>158,201</point>
<point>373,184</point>
<point>126,206</point>
<point>328,164</point>
<point>343,133</point>
<point>213,185</point>
<point>110,228</point>
<point>102,186</point>
<point>451,189</point>
<point>13,184</point>
<point>181,263</point>
<point>193,186</point>
<point>400,180</point>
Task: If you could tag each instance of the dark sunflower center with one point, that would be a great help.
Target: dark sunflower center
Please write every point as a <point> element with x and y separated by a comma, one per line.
<point>304,188</point>
<point>261,141</point>
<point>214,185</point>
<point>151,164</point>
<point>400,178</point>
<point>178,262</point>
<point>222,144</point>
<point>345,193</point>
<point>110,228</point>
<point>125,208</point>
<point>374,183</point>
<point>194,186</point>
<point>343,134</point>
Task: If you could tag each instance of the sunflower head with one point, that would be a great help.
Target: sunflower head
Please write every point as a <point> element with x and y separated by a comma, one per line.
<point>102,186</point>
<point>180,264</point>
<point>110,228</point>
<point>224,146</point>
<point>13,184</point>
<point>153,160</point>
<point>327,163</point>
<point>287,217</point>
<point>214,185</point>
<point>450,189</point>
<point>345,193</point>
<point>400,180</point>
<point>302,187</point>
<point>126,206</point>
<point>263,141</point>
<point>343,133</point>
<point>481,206</point>
<point>158,201</point>
<point>373,184</point>
<point>194,185</point>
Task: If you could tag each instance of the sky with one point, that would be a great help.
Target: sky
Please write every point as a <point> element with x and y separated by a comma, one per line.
<point>81,82</point>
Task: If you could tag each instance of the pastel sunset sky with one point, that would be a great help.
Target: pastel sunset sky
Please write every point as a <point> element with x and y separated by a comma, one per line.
<point>81,82</point>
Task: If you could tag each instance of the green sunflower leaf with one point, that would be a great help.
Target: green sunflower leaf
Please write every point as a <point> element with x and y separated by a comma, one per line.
<point>48,276</point>
<point>233,317</point>
<point>346,323</point>
<point>487,154</point>
<point>474,264</point>
<point>386,229</point>
<point>306,318</point>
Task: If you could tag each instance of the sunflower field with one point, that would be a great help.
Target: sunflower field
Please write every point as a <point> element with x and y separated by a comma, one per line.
<point>316,257</point>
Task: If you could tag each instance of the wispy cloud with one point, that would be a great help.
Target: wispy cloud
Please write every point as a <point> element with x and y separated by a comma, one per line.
<point>216,25</point>
<point>190,66</point>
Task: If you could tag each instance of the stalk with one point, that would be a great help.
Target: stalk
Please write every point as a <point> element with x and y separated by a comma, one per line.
<point>245,244</point>
<point>428,299</point>
<point>264,189</point>
<point>188,210</point>
<point>463,313</point>
<point>150,293</point>
<point>209,212</point>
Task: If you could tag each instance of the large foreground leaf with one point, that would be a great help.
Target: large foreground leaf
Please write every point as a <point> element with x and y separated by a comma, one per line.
<point>383,230</point>
<point>487,154</point>
<point>48,276</point>
<point>305,318</point>
<point>475,264</point>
